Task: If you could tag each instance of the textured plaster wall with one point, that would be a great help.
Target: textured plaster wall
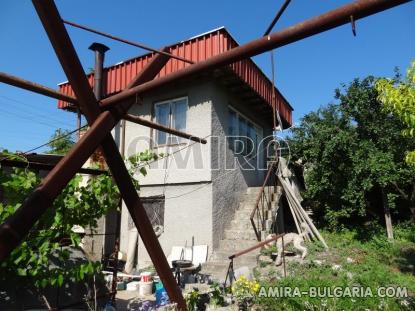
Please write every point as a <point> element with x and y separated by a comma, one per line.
<point>229,180</point>
<point>187,174</point>
<point>187,216</point>
<point>189,165</point>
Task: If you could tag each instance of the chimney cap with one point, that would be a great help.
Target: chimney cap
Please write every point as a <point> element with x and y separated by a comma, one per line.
<point>98,47</point>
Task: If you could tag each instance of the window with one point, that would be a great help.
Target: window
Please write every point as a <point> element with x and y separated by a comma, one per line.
<point>154,207</point>
<point>243,134</point>
<point>172,114</point>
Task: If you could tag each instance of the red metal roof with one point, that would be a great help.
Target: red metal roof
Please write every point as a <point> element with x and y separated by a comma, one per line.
<point>197,49</point>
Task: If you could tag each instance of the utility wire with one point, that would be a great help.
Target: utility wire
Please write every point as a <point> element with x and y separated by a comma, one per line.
<point>277,17</point>
<point>55,139</point>
<point>26,118</point>
<point>45,144</point>
<point>34,111</point>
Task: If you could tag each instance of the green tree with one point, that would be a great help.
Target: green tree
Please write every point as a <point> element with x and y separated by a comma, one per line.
<point>353,154</point>
<point>60,142</point>
<point>398,97</point>
<point>80,203</point>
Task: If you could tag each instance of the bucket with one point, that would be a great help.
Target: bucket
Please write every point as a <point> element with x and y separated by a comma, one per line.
<point>133,286</point>
<point>145,288</point>
<point>145,277</point>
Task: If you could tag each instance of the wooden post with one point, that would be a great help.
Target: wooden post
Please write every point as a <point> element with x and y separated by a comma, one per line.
<point>388,218</point>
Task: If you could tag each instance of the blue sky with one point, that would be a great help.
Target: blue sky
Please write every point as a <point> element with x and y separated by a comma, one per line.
<point>307,72</point>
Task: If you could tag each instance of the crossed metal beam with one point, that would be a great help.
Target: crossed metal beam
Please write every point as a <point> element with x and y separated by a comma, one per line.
<point>103,116</point>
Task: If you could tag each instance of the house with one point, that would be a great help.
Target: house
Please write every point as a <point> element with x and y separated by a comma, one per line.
<point>193,193</point>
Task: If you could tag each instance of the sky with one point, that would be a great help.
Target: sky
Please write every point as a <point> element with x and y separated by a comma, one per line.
<point>307,72</point>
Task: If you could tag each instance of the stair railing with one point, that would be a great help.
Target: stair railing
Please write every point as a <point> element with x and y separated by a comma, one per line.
<point>230,274</point>
<point>263,202</point>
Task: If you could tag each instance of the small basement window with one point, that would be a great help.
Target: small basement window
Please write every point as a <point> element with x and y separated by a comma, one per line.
<point>154,207</point>
<point>170,113</point>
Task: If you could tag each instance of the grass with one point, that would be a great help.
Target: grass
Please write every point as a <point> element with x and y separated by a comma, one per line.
<point>350,262</point>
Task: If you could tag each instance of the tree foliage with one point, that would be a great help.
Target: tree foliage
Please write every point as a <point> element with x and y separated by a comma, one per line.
<point>398,97</point>
<point>82,203</point>
<point>60,142</point>
<point>353,152</point>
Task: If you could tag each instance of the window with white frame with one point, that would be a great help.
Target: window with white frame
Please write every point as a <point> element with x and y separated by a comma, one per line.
<point>170,113</point>
<point>243,134</point>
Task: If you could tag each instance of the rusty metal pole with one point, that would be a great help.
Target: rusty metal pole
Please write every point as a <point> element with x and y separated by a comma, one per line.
<point>142,121</point>
<point>35,87</point>
<point>15,228</point>
<point>277,17</point>
<point>69,60</point>
<point>332,19</point>
<point>40,89</point>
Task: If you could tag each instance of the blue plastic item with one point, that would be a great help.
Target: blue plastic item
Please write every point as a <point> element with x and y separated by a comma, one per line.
<point>162,298</point>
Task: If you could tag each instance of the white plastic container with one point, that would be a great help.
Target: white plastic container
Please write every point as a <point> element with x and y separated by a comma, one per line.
<point>145,288</point>
<point>133,286</point>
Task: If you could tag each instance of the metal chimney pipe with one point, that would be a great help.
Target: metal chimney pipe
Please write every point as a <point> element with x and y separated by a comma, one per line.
<point>99,50</point>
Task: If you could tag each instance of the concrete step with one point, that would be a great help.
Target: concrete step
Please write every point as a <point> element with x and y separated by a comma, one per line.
<point>250,206</point>
<point>241,224</point>
<point>235,234</point>
<point>243,213</point>
<point>220,265</point>
<point>244,205</point>
<point>223,256</point>
<point>218,270</point>
<point>253,190</point>
<point>234,246</point>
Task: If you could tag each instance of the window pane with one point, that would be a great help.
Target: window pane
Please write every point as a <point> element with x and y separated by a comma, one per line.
<point>252,142</point>
<point>179,114</point>
<point>179,109</point>
<point>162,117</point>
<point>242,134</point>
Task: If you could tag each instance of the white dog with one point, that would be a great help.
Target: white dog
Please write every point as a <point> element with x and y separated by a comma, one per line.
<point>294,238</point>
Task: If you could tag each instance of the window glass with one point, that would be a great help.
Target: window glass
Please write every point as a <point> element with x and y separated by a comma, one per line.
<point>242,135</point>
<point>171,114</point>
<point>252,142</point>
<point>178,115</point>
<point>162,117</point>
<point>245,141</point>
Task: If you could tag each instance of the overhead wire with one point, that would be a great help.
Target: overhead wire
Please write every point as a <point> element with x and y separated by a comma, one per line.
<point>34,111</point>
<point>44,144</point>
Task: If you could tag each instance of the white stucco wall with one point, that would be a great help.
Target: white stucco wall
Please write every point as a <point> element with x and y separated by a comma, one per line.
<point>186,174</point>
<point>188,210</point>
<point>201,192</point>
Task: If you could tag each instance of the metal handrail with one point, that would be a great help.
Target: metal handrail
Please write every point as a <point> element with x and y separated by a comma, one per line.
<point>263,202</point>
<point>230,273</point>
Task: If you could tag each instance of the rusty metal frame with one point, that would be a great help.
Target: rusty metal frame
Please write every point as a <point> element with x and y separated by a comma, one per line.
<point>35,87</point>
<point>103,116</point>
<point>332,19</point>
<point>44,90</point>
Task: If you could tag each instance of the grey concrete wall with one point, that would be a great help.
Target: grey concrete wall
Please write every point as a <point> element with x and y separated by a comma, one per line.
<point>229,180</point>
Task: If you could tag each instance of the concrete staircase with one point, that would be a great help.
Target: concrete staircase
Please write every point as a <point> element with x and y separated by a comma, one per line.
<point>238,236</point>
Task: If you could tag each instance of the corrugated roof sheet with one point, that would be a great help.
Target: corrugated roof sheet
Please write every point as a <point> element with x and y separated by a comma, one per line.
<point>197,49</point>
